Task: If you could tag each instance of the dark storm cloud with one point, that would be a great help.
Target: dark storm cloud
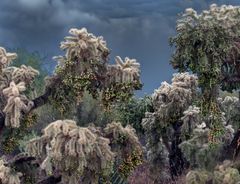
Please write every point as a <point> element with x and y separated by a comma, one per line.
<point>136,28</point>
<point>36,23</point>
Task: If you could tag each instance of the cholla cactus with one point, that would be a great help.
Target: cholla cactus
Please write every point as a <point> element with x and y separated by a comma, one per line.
<point>191,115</point>
<point>84,154</point>
<point>6,77</point>
<point>157,152</point>
<point>124,71</point>
<point>83,45</point>
<point>223,173</point>
<point>231,108</point>
<point>226,174</point>
<point>198,37</point>
<point>85,68</point>
<point>121,81</point>
<point>72,149</point>
<point>228,101</point>
<point>226,16</point>
<point>130,68</point>
<point>24,74</point>
<point>198,150</point>
<point>6,58</point>
<point>169,103</point>
<point>197,177</point>
<point>84,62</point>
<point>16,103</point>
<point>125,143</point>
<point>7,175</point>
<point>190,120</point>
<point>127,64</point>
<point>170,100</point>
<point>13,81</point>
<point>124,138</point>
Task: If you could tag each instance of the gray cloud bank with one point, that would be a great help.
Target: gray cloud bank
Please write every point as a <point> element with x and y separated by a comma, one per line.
<point>136,28</point>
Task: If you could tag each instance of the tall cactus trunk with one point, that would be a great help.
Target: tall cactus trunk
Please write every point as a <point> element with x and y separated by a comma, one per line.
<point>177,161</point>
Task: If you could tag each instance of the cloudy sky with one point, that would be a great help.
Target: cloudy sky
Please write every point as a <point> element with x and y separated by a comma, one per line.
<point>135,28</point>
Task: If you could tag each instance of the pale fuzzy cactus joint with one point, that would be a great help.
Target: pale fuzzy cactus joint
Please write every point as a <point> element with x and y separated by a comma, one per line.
<point>6,58</point>
<point>16,103</point>
<point>7,174</point>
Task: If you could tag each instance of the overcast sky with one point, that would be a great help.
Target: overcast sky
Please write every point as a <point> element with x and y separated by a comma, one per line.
<point>135,28</point>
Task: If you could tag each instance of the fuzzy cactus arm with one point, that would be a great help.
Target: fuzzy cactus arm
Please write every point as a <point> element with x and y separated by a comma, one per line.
<point>25,74</point>
<point>37,102</point>
<point>6,58</point>
<point>14,104</point>
<point>119,61</point>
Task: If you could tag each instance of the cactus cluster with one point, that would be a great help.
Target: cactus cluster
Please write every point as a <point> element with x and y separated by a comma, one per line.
<point>13,83</point>
<point>124,71</point>
<point>24,74</point>
<point>74,151</point>
<point>170,100</point>
<point>84,154</point>
<point>231,108</point>
<point>7,174</point>
<point>225,15</point>
<point>83,45</point>
<point>16,103</point>
<point>199,35</point>
<point>122,135</point>
<point>85,67</point>
<point>125,143</point>
<point>191,118</point>
<point>6,58</point>
<point>198,149</point>
<point>187,126</point>
<point>223,173</point>
<point>156,151</point>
